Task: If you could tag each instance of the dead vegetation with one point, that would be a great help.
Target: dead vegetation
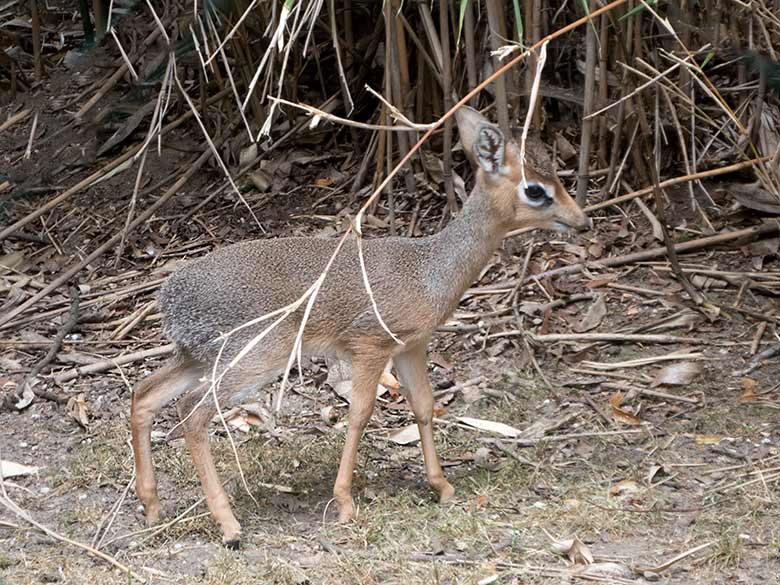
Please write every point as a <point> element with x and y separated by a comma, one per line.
<point>608,409</point>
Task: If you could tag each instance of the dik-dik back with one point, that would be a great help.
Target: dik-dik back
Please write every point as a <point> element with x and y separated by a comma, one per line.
<point>416,284</point>
<point>218,293</point>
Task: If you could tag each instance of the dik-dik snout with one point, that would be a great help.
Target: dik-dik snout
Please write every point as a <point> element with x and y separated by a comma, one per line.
<point>524,185</point>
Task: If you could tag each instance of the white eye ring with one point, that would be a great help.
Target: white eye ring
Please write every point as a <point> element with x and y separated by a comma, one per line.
<point>535,194</point>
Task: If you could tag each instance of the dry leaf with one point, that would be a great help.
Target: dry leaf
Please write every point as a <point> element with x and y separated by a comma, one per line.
<point>10,261</point>
<point>481,456</point>
<point>478,503</point>
<point>388,381</point>
<point>340,378</point>
<point>621,414</point>
<point>78,408</point>
<point>406,435</point>
<point>9,469</point>
<point>596,250</point>
<point>601,281</point>
<point>654,472</point>
<point>608,569</point>
<point>594,316</point>
<point>27,394</point>
<point>575,549</point>
<point>679,374</point>
<point>441,361</point>
<point>490,426</point>
<point>748,390</point>
<point>260,180</point>
<point>708,439</point>
<point>329,415</point>
<point>622,488</point>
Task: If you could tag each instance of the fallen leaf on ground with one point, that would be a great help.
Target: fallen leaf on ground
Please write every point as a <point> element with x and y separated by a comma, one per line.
<point>748,390</point>
<point>596,313</point>
<point>27,395</point>
<point>329,414</point>
<point>621,488</point>
<point>490,426</point>
<point>9,469</point>
<point>655,471</point>
<point>481,456</point>
<point>608,569</point>
<point>679,374</point>
<point>406,435</point>
<point>478,503</point>
<point>575,549</point>
<point>620,414</point>
<point>10,261</point>
<point>388,381</point>
<point>78,408</point>
<point>441,361</point>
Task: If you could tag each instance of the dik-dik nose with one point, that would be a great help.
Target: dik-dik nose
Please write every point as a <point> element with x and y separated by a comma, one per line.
<point>585,226</point>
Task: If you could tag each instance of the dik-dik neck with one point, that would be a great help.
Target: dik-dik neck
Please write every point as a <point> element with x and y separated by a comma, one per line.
<point>460,251</point>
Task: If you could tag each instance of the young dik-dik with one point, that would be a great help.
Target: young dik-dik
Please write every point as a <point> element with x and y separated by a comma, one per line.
<point>417,284</point>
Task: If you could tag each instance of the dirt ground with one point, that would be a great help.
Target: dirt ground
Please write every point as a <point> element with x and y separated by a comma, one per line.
<point>603,483</point>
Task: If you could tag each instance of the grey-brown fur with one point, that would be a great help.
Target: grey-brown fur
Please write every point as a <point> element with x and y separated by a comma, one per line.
<point>416,283</point>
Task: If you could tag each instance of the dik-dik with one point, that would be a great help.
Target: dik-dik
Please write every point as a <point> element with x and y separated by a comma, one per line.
<point>416,283</point>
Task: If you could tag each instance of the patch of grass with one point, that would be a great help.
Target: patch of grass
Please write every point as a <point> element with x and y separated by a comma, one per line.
<point>104,456</point>
<point>85,513</point>
<point>728,551</point>
<point>229,569</point>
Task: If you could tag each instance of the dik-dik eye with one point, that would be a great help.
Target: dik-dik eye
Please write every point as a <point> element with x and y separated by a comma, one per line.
<point>536,194</point>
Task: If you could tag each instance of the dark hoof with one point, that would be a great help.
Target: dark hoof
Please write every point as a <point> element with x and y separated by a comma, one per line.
<point>234,544</point>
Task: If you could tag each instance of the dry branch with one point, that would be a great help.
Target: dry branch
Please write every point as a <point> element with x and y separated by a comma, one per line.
<point>767,229</point>
<point>110,364</point>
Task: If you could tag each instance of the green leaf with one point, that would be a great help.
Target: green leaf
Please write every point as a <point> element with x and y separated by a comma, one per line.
<point>519,22</point>
<point>637,9</point>
<point>461,15</point>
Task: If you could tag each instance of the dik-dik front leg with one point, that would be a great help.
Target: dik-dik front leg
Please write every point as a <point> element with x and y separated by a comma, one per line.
<point>365,377</point>
<point>412,368</point>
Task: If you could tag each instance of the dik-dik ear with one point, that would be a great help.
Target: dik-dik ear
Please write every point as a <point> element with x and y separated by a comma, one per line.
<point>483,143</point>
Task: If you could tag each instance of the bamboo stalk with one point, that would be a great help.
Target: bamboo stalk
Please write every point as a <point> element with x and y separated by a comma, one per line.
<point>470,50</point>
<point>495,15</point>
<point>36,39</point>
<point>583,175</point>
<point>444,38</point>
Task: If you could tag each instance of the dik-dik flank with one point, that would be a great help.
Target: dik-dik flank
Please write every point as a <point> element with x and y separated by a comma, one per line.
<point>417,284</point>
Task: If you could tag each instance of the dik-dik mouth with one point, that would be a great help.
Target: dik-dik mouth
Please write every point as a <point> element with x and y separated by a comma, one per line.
<point>561,226</point>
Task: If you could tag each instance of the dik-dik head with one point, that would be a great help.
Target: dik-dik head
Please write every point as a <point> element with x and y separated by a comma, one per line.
<point>530,195</point>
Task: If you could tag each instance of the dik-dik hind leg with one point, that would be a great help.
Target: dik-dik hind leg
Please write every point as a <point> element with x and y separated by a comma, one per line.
<point>149,396</point>
<point>195,425</point>
<point>365,377</point>
<point>412,368</point>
